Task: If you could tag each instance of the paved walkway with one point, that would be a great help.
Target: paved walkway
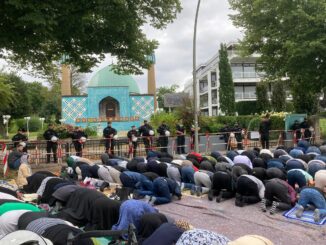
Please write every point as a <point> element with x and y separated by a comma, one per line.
<point>227,219</point>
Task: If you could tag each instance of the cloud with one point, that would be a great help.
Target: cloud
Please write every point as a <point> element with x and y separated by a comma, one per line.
<point>174,54</point>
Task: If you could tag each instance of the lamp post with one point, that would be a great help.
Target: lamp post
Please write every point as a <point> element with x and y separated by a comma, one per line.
<point>27,124</point>
<point>195,78</point>
<point>6,122</point>
<point>42,119</point>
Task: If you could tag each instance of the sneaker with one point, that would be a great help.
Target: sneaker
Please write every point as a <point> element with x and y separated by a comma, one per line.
<point>182,186</point>
<point>193,190</point>
<point>316,215</point>
<point>198,191</point>
<point>219,197</point>
<point>152,201</point>
<point>147,198</point>
<point>299,211</point>
<point>238,203</point>
<point>274,207</point>
<point>263,205</point>
<point>210,195</point>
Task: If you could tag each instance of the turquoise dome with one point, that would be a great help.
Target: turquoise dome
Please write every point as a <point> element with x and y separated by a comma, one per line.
<point>107,78</point>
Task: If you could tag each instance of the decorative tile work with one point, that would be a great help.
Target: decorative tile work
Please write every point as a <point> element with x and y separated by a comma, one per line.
<point>73,107</point>
<point>142,106</point>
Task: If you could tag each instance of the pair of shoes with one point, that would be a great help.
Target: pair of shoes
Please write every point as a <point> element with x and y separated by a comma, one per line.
<point>147,198</point>
<point>274,207</point>
<point>103,186</point>
<point>238,203</point>
<point>263,205</point>
<point>210,195</point>
<point>299,211</point>
<point>152,201</point>
<point>317,215</point>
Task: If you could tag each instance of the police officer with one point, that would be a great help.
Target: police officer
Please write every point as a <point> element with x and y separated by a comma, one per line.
<point>132,136</point>
<point>163,140</point>
<point>145,131</point>
<point>20,137</point>
<point>180,130</point>
<point>108,134</point>
<point>51,137</point>
<point>79,137</point>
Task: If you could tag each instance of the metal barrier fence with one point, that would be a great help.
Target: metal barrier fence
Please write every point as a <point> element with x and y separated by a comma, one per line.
<point>93,148</point>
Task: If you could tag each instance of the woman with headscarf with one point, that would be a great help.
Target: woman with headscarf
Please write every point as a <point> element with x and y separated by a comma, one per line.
<point>24,171</point>
<point>249,190</point>
<point>222,186</point>
<point>35,180</point>
<point>278,194</point>
<point>149,222</point>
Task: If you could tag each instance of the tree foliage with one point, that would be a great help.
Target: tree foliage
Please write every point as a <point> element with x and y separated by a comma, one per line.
<point>278,98</point>
<point>226,89</point>
<point>262,97</point>
<point>290,36</point>
<point>161,91</point>
<point>39,32</point>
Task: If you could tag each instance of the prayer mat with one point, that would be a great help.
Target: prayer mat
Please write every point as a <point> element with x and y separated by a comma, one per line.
<point>307,216</point>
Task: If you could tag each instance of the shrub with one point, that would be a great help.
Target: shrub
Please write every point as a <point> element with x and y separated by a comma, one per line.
<point>246,107</point>
<point>170,119</point>
<point>91,131</point>
<point>34,124</point>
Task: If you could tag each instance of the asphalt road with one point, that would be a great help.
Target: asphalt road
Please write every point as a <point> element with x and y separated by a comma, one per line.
<point>227,219</point>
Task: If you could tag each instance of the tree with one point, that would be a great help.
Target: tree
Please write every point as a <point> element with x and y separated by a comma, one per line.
<point>278,98</point>
<point>226,89</point>
<point>161,91</point>
<point>7,95</point>
<point>38,33</point>
<point>291,38</point>
<point>262,97</point>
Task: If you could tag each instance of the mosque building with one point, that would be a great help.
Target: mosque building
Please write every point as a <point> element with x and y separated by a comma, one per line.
<point>110,97</point>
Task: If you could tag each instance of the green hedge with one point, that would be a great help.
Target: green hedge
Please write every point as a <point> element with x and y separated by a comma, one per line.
<point>170,119</point>
<point>246,107</point>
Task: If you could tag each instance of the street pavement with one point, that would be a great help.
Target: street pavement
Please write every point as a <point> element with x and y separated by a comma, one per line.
<point>227,219</point>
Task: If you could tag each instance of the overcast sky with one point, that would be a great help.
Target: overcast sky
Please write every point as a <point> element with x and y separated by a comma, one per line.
<point>174,54</point>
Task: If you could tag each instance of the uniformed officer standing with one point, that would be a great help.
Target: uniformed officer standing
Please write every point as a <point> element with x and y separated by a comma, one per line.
<point>180,138</point>
<point>108,134</point>
<point>51,137</point>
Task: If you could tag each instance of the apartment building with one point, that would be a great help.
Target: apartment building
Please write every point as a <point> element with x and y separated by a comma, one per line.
<point>245,73</point>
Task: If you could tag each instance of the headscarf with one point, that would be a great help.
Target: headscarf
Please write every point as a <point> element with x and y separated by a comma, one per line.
<point>252,240</point>
<point>149,222</point>
<point>201,237</point>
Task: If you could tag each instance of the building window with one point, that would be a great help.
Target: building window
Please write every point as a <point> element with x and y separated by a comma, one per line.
<point>214,96</point>
<point>213,79</point>
<point>214,111</point>
<point>203,86</point>
<point>249,92</point>
<point>204,112</point>
<point>249,71</point>
<point>204,100</point>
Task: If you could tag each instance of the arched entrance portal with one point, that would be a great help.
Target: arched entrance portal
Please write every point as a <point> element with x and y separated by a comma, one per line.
<point>109,107</point>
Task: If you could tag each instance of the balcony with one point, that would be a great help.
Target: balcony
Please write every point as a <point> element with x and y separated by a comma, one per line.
<point>247,75</point>
<point>214,101</point>
<point>245,96</point>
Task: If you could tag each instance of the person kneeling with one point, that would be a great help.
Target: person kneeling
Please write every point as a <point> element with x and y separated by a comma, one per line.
<point>250,190</point>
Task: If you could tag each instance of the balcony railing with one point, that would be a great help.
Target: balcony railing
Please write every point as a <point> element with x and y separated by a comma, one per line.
<point>245,95</point>
<point>247,75</point>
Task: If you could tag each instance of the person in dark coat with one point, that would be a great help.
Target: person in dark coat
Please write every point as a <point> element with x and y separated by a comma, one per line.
<point>79,137</point>
<point>296,128</point>
<point>225,134</point>
<point>181,140</point>
<point>20,137</point>
<point>238,135</point>
<point>264,128</point>
<point>145,131</point>
<point>133,140</point>
<point>163,140</point>
<point>108,134</point>
<point>51,137</point>
<point>304,126</point>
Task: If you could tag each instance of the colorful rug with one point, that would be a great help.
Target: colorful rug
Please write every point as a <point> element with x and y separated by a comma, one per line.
<point>307,216</point>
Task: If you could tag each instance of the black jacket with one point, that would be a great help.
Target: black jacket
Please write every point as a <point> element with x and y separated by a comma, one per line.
<point>162,129</point>
<point>48,134</point>
<point>180,129</point>
<point>108,131</point>
<point>144,130</point>
<point>76,135</point>
<point>131,133</point>
<point>19,137</point>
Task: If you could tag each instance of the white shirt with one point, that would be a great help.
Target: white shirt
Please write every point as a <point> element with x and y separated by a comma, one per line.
<point>9,221</point>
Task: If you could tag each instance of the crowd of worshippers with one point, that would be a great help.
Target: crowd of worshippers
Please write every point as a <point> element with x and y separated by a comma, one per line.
<point>68,212</point>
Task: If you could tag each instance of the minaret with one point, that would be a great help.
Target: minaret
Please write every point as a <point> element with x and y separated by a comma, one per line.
<point>151,82</point>
<point>65,80</point>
